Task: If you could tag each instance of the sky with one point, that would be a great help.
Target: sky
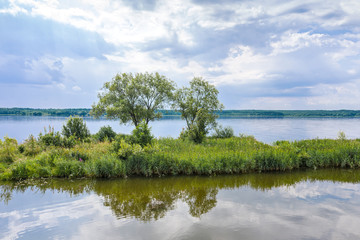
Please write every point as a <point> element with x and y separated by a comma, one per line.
<point>274,54</point>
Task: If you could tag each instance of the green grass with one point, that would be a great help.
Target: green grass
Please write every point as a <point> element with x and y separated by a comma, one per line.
<point>167,156</point>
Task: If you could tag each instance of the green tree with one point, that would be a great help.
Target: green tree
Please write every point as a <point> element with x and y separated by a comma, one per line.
<point>75,126</point>
<point>198,105</point>
<point>134,98</point>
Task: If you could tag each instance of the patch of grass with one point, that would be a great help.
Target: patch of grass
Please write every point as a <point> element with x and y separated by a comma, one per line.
<point>167,156</point>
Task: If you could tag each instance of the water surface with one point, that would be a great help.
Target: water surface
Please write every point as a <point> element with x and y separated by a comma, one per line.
<point>322,204</point>
<point>265,130</point>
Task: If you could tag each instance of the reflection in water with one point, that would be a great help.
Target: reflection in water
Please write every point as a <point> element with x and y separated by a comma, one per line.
<point>322,204</point>
<point>150,199</point>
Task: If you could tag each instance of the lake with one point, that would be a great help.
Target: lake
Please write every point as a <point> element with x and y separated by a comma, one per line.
<point>265,130</point>
<point>321,204</point>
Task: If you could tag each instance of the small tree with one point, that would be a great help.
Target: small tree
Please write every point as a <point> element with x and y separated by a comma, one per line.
<point>75,126</point>
<point>134,98</point>
<point>141,134</point>
<point>106,132</point>
<point>198,105</point>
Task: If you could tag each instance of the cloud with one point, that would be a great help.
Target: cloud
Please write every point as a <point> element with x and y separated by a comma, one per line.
<point>34,37</point>
<point>274,49</point>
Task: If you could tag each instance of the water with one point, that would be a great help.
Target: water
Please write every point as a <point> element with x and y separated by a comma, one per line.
<point>322,204</point>
<point>265,130</point>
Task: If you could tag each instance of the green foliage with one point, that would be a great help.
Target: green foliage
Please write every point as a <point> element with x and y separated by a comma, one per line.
<point>31,146</point>
<point>341,135</point>
<point>8,149</point>
<point>223,132</point>
<point>141,134</point>
<point>198,105</point>
<point>51,138</point>
<point>105,133</point>
<point>69,169</point>
<point>168,156</point>
<point>75,126</point>
<point>108,167</point>
<point>134,98</point>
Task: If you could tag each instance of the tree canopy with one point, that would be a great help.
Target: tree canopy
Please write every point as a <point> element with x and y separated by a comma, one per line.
<point>198,105</point>
<point>134,98</point>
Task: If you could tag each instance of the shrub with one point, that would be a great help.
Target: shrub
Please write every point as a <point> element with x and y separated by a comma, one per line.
<point>223,132</point>
<point>69,169</point>
<point>31,146</point>
<point>75,126</point>
<point>51,138</point>
<point>341,135</point>
<point>126,150</point>
<point>104,133</point>
<point>107,167</point>
<point>194,133</point>
<point>69,142</point>
<point>141,135</point>
<point>8,149</point>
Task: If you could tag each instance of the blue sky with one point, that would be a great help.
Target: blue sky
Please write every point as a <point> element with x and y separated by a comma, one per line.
<point>275,54</point>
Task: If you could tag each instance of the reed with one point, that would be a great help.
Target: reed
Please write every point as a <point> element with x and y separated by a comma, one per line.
<point>167,156</point>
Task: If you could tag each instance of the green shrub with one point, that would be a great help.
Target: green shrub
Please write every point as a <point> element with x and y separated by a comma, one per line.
<point>126,149</point>
<point>105,133</point>
<point>223,132</point>
<point>31,146</point>
<point>108,167</point>
<point>194,133</point>
<point>141,134</point>
<point>75,126</point>
<point>8,149</point>
<point>69,142</point>
<point>51,138</point>
<point>69,169</point>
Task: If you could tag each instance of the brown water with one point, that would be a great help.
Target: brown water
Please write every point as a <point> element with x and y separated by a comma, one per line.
<point>322,204</point>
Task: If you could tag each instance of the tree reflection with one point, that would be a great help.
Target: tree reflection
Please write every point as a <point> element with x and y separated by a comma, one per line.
<point>150,199</point>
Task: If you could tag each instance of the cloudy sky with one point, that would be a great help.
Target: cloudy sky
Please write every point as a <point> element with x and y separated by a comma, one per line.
<point>274,54</point>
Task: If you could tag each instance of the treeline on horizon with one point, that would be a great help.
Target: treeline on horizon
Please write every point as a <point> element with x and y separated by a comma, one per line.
<point>84,112</point>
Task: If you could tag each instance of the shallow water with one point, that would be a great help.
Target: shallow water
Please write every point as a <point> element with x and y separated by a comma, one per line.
<point>265,130</point>
<point>321,204</point>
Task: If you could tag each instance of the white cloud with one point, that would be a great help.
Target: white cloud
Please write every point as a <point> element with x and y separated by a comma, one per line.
<point>76,88</point>
<point>275,46</point>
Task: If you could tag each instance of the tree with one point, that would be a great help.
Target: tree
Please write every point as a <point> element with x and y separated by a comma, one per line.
<point>76,127</point>
<point>198,105</point>
<point>134,98</point>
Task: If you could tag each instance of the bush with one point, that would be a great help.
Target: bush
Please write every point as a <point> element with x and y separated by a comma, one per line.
<point>141,135</point>
<point>8,149</point>
<point>226,132</point>
<point>51,138</point>
<point>105,133</point>
<point>75,126</point>
<point>108,167</point>
<point>194,133</point>
<point>31,146</point>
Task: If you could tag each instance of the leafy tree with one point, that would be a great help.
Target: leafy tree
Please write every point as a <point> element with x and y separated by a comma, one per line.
<point>75,126</point>
<point>198,105</point>
<point>134,98</point>
<point>106,132</point>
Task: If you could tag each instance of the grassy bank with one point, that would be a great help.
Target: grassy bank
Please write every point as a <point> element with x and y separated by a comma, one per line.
<point>34,159</point>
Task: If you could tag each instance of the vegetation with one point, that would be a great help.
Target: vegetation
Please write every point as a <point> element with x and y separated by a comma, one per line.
<point>223,132</point>
<point>85,112</point>
<point>147,199</point>
<point>37,158</point>
<point>106,133</point>
<point>76,127</point>
<point>134,98</point>
<point>198,105</point>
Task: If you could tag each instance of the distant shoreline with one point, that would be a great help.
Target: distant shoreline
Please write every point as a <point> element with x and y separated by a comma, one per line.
<point>84,112</point>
